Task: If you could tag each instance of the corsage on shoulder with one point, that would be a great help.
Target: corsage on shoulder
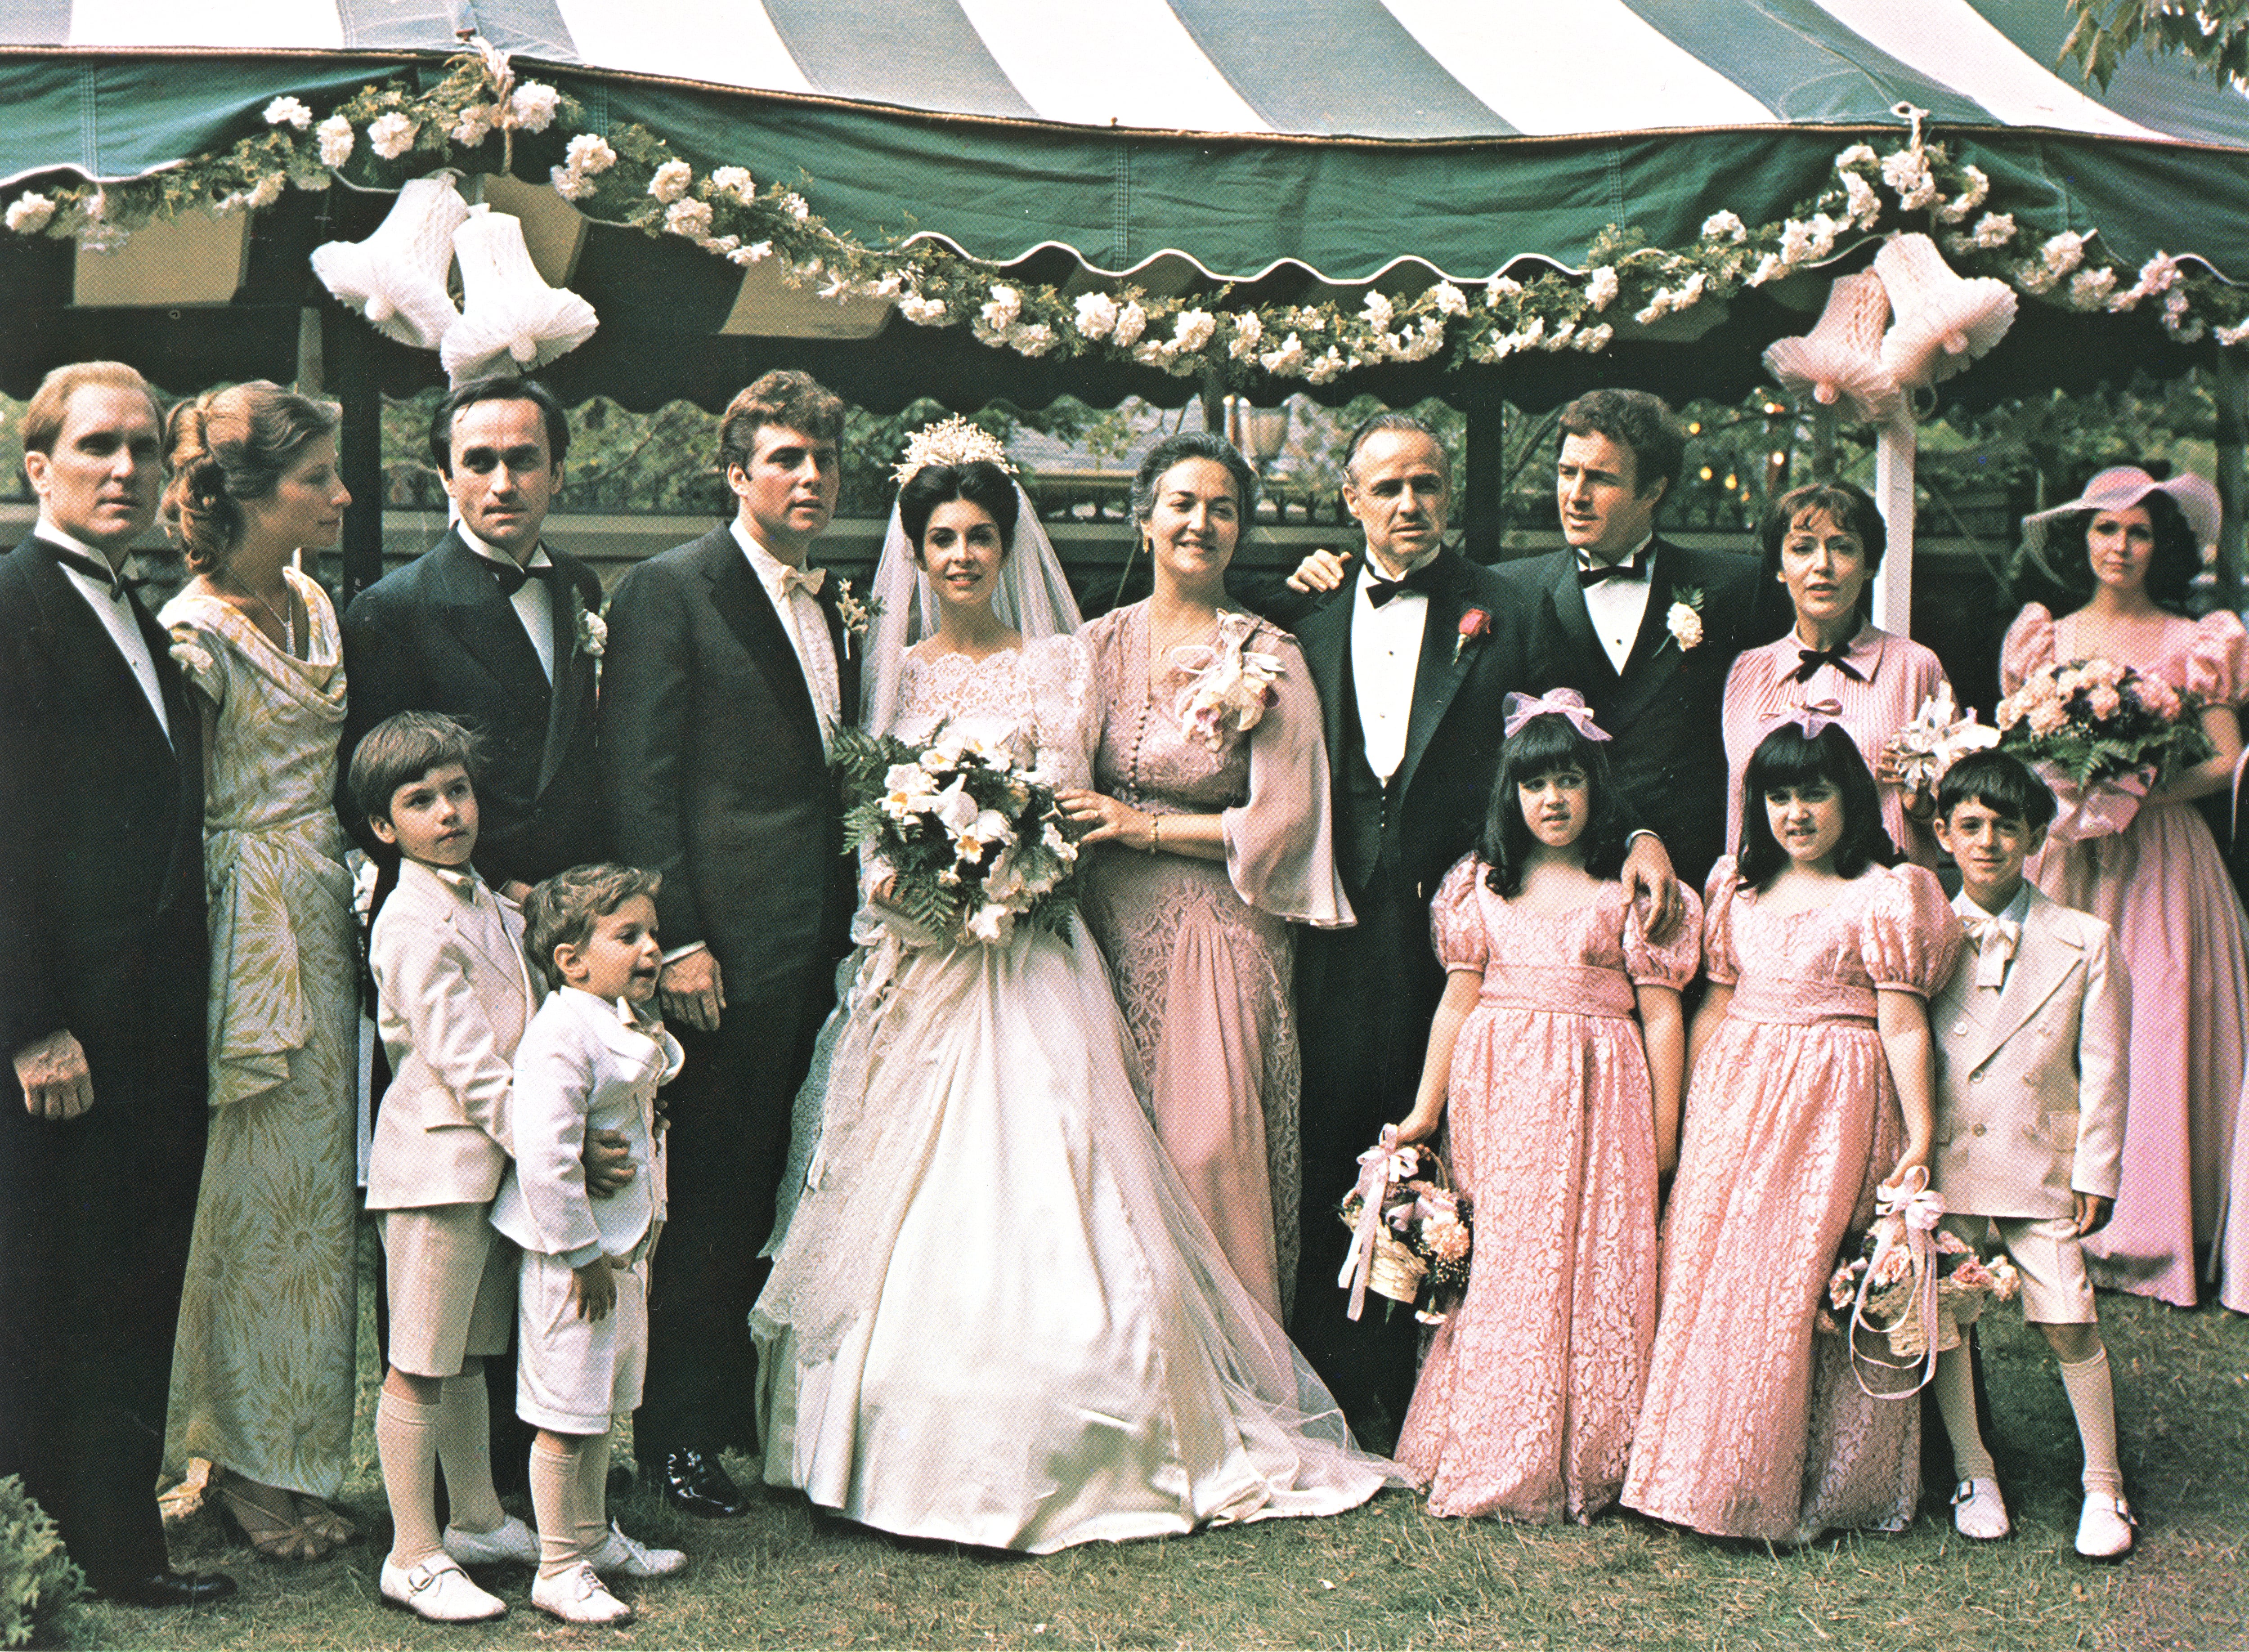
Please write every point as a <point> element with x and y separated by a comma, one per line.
<point>1229,684</point>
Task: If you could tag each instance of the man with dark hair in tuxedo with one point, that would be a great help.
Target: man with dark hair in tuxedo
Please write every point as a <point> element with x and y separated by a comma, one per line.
<point>104,976</point>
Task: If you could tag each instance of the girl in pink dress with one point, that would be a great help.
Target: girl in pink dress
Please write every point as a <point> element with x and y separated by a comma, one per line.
<point>1810,1083</point>
<point>2159,882</point>
<point>1565,1110</point>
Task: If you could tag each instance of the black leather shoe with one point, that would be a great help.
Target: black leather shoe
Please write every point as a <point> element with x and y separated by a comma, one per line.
<point>168,1587</point>
<point>694,1484</point>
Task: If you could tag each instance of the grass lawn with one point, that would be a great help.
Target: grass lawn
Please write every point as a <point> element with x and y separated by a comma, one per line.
<point>1388,1575</point>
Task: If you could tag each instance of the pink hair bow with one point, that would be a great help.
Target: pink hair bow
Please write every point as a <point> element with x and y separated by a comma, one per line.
<point>1812,717</point>
<point>1519,709</point>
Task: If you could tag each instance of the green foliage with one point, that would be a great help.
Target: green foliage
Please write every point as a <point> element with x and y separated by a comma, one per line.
<point>38,1579</point>
<point>2212,34</point>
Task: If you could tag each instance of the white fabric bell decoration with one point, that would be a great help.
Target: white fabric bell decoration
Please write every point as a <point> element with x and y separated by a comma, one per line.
<point>1944,321</point>
<point>510,320</point>
<point>1838,363</point>
<point>396,277</point>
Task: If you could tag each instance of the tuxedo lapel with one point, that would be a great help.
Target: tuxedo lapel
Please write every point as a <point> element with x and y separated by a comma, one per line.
<point>1326,640</point>
<point>1584,663</point>
<point>847,659</point>
<point>87,668</point>
<point>572,664</point>
<point>748,613</point>
<point>1656,656</point>
<point>2043,960</point>
<point>471,606</point>
<point>1442,669</point>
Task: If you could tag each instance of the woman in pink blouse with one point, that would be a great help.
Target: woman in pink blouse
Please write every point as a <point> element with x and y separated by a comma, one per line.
<point>1823,541</point>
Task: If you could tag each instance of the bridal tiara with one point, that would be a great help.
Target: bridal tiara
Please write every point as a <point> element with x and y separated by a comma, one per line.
<point>951,441</point>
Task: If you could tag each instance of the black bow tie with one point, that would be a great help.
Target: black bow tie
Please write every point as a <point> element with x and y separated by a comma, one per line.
<point>512,576</point>
<point>1813,659</point>
<point>118,580</point>
<point>1422,579</point>
<point>1592,574</point>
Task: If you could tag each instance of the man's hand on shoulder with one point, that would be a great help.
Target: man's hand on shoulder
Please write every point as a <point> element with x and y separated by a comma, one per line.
<point>1322,571</point>
<point>56,1080</point>
<point>691,990</point>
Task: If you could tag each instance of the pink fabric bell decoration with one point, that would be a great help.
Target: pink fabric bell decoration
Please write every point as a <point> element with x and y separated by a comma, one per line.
<point>396,277</point>
<point>510,320</point>
<point>1944,321</point>
<point>1838,363</point>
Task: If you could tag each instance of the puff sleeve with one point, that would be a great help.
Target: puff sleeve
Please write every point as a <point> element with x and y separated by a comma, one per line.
<point>2217,659</point>
<point>1910,938</point>
<point>1719,895</point>
<point>1670,963</point>
<point>2027,647</point>
<point>204,658</point>
<point>1456,917</point>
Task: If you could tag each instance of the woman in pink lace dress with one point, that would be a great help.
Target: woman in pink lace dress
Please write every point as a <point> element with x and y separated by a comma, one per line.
<point>1811,1084</point>
<point>2159,882</point>
<point>1561,1107</point>
<point>1213,799</point>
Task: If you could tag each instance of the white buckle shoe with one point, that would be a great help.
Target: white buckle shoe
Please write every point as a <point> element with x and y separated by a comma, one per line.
<point>577,1596</point>
<point>510,1540</point>
<point>2104,1531</point>
<point>1979,1511</point>
<point>623,1556</point>
<point>439,1592</point>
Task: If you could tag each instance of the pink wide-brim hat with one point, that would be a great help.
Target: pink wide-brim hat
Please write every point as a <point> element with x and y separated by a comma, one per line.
<point>2119,488</point>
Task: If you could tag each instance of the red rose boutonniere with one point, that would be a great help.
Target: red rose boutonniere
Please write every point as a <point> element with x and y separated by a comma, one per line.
<point>1474,625</point>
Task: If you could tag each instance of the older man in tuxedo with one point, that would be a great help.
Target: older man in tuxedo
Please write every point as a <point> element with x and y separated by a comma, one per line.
<point>104,974</point>
<point>727,669</point>
<point>1643,627</point>
<point>1413,653</point>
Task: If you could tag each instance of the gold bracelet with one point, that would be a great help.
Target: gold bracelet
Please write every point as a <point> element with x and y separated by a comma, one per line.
<point>1155,833</point>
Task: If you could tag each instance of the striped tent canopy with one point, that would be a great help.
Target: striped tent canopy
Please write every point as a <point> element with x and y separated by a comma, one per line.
<point>1291,146</point>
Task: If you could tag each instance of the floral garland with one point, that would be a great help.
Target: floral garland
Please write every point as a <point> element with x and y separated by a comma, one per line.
<point>388,132</point>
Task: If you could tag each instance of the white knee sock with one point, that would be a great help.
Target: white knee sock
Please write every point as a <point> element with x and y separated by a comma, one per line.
<point>593,1495</point>
<point>464,1451</point>
<point>406,1445</point>
<point>1956,1403</point>
<point>2093,1397</point>
<point>555,1502</point>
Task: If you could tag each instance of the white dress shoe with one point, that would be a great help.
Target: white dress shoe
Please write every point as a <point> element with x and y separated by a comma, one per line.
<point>1979,1511</point>
<point>577,1596</point>
<point>510,1540</point>
<point>2104,1531</point>
<point>439,1591</point>
<point>623,1557</point>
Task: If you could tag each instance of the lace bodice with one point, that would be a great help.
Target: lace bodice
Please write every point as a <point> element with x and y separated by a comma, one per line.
<point>1039,699</point>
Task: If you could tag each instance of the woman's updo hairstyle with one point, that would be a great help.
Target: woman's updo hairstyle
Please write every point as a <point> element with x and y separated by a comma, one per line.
<point>978,481</point>
<point>1193,444</point>
<point>226,449</point>
<point>1789,758</point>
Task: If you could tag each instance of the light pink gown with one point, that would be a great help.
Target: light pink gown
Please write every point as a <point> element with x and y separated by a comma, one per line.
<point>1527,1399</point>
<point>1201,950</point>
<point>1900,675</point>
<point>1754,1425</point>
<point>2162,886</point>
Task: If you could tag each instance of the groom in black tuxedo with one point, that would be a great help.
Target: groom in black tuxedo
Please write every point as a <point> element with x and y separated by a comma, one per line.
<point>104,971</point>
<point>728,664</point>
<point>1643,628</point>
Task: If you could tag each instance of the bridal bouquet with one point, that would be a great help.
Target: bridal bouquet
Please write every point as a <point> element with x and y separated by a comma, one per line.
<point>1937,737</point>
<point>1412,1232</point>
<point>974,841</point>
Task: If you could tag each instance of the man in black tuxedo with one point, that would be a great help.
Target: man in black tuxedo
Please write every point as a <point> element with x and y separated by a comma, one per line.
<point>1414,656</point>
<point>1643,628</point>
<point>104,976</point>
<point>490,627</point>
<point>728,664</point>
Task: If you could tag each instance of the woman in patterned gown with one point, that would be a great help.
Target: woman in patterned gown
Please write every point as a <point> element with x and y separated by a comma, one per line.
<point>263,1370</point>
<point>1218,839</point>
<point>997,1317</point>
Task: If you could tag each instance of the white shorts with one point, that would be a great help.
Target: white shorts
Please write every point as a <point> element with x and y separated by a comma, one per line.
<point>572,1375</point>
<point>450,1280</point>
<point>2050,1257</point>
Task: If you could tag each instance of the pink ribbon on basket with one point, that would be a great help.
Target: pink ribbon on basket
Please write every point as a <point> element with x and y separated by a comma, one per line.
<point>2101,810</point>
<point>1918,1208</point>
<point>1518,709</point>
<point>1375,1168</point>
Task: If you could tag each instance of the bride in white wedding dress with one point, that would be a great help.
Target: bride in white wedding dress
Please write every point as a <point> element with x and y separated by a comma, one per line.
<point>997,1317</point>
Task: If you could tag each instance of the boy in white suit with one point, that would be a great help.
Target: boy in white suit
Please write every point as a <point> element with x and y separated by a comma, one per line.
<point>592,1060</point>
<point>2033,1049</point>
<point>454,994</point>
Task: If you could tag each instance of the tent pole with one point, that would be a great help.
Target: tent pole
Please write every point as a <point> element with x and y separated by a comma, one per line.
<point>1482,511</point>
<point>350,353</point>
<point>2230,390</point>
<point>1894,460</point>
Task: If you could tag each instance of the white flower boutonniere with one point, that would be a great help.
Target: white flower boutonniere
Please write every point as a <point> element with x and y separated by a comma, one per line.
<point>592,634</point>
<point>1684,619</point>
<point>857,613</point>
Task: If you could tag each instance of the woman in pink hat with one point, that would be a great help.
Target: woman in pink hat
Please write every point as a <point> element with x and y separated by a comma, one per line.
<point>2134,544</point>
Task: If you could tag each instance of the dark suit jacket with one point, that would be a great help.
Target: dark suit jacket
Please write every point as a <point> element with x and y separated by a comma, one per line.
<point>714,775</point>
<point>438,636</point>
<point>1662,710</point>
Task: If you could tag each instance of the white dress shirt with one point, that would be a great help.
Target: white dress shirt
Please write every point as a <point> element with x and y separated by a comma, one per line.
<point>1617,607</point>
<point>115,613</point>
<point>1385,656</point>
<point>533,601</point>
<point>806,621</point>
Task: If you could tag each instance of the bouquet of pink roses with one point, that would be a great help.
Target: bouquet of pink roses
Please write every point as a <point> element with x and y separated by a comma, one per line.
<point>2100,735</point>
